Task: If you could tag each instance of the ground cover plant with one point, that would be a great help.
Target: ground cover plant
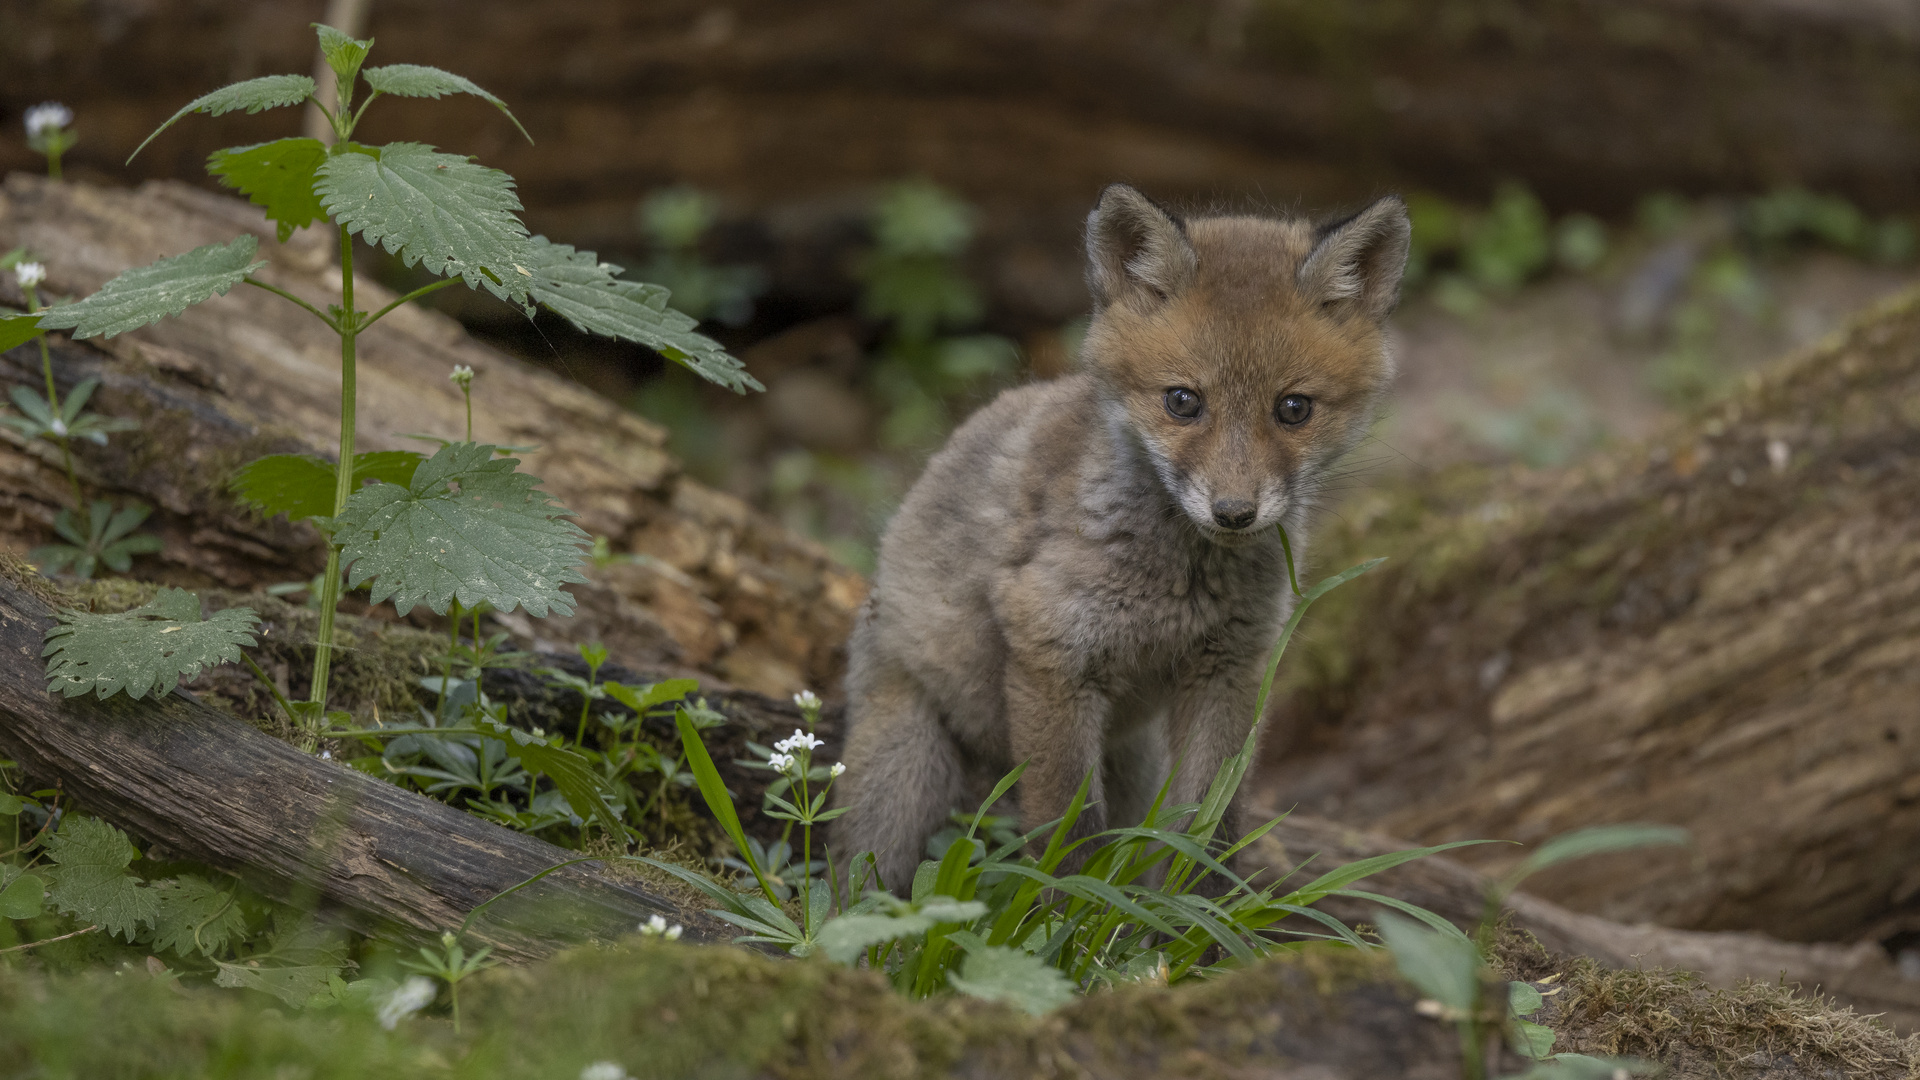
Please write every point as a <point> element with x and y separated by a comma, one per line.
<point>461,526</point>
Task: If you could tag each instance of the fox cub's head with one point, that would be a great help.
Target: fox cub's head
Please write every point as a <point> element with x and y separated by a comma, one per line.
<point>1244,353</point>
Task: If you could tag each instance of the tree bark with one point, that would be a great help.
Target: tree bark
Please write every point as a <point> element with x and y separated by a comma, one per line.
<point>1716,630</point>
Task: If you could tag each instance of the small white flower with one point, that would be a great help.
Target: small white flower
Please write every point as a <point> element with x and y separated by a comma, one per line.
<point>604,1070</point>
<point>807,700</point>
<point>800,740</point>
<point>836,770</point>
<point>30,274</point>
<point>656,926</point>
<point>48,116</point>
<point>58,427</point>
<point>410,997</point>
<point>783,762</point>
<point>463,377</point>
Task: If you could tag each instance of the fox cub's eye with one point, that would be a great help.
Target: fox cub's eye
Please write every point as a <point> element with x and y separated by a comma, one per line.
<point>1293,409</point>
<point>1183,403</point>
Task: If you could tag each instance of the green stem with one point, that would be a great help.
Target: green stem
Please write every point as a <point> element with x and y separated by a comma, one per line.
<point>362,111</point>
<point>278,291</point>
<point>806,844</point>
<point>446,662</point>
<point>66,446</point>
<point>271,687</point>
<point>53,164</point>
<point>53,395</point>
<point>414,295</point>
<point>343,487</point>
<point>324,111</point>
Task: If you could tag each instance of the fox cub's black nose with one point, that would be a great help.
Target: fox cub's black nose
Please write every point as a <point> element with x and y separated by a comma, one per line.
<point>1234,513</point>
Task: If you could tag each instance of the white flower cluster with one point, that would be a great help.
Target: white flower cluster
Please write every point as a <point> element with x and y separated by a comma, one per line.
<point>47,116</point>
<point>807,701</point>
<point>463,377</point>
<point>799,740</point>
<point>30,274</point>
<point>657,927</point>
<point>605,1070</point>
<point>408,998</point>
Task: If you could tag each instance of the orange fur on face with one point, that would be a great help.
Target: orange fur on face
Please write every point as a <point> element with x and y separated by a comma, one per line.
<point>1242,335</point>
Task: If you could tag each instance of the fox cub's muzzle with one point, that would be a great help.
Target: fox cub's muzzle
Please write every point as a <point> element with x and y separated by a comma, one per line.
<point>1234,513</point>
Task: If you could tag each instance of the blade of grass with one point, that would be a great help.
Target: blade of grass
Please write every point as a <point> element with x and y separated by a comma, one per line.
<point>714,791</point>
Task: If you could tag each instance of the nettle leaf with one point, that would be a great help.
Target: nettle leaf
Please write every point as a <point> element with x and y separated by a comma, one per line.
<point>18,328</point>
<point>301,485</point>
<point>145,650</point>
<point>253,95</point>
<point>577,285</point>
<point>150,293</point>
<point>278,176</point>
<point>293,984</point>
<point>998,973</point>
<point>466,527</point>
<point>300,961</point>
<point>439,210</point>
<point>196,916</point>
<point>91,881</point>
<point>420,81</point>
<point>344,52</point>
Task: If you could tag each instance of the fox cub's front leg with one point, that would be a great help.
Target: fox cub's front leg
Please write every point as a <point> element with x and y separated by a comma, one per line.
<point>1212,712</point>
<point>1057,724</point>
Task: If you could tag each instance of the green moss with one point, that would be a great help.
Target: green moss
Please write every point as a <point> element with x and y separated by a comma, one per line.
<point>673,1010</point>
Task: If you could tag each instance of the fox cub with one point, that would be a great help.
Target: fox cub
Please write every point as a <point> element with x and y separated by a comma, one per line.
<point>1087,577</point>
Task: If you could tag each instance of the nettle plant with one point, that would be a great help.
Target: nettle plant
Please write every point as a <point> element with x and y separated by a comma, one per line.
<point>461,526</point>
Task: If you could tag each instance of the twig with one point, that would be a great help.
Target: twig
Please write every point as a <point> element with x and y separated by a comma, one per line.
<point>43,941</point>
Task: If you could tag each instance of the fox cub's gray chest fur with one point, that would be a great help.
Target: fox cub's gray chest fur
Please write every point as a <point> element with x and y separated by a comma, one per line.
<point>1088,577</point>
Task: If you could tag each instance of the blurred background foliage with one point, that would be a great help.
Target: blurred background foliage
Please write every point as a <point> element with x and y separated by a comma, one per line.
<point>1619,208</point>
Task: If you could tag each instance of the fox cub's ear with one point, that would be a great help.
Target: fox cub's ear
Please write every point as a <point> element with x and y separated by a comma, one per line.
<point>1134,248</point>
<point>1358,261</point>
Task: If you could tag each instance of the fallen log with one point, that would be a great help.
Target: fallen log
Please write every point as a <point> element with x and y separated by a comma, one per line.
<point>1716,630</point>
<point>208,788</point>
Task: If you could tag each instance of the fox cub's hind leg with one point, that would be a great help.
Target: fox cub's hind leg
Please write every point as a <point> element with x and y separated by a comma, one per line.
<point>907,779</point>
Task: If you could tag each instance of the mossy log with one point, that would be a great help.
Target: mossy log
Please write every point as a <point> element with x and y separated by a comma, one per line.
<point>203,786</point>
<point>1717,630</point>
<point>700,580</point>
